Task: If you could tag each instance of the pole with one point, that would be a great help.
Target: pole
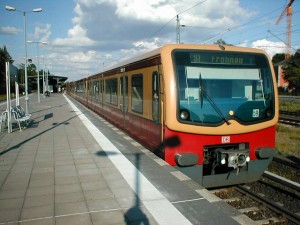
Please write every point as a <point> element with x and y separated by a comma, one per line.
<point>178,31</point>
<point>44,79</point>
<point>8,100</point>
<point>38,67</point>
<point>10,8</point>
<point>17,93</point>
<point>26,75</point>
<point>38,72</point>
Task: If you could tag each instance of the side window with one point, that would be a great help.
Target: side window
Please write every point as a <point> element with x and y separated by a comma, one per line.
<point>137,93</point>
<point>155,97</point>
<point>111,89</point>
<point>96,89</point>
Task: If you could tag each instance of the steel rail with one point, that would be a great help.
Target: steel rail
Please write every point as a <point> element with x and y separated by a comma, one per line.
<point>291,120</point>
<point>293,163</point>
<point>293,217</point>
<point>286,182</point>
<point>290,113</point>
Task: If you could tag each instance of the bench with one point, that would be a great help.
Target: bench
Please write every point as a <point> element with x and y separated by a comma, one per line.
<point>21,117</point>
<point>20,110</point>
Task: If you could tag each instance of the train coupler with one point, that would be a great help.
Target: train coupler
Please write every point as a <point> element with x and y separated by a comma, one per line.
<point>233,158</point>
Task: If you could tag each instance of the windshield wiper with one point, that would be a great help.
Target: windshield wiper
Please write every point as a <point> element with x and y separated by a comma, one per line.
<point>210,100</point>
<point>262,88</point>
<point>201,90</point>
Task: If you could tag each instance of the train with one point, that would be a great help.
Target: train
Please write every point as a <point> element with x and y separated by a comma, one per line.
<point>208,110</point>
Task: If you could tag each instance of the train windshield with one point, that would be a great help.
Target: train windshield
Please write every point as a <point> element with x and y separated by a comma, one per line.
<point>216,87</point>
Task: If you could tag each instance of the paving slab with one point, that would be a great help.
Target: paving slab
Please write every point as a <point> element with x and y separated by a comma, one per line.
<point>62,170</point>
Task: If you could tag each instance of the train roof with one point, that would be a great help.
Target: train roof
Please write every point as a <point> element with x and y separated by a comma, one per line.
<point>170,47</point>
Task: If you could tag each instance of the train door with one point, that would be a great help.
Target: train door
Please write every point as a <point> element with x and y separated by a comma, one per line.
<point>156,128</point>
<point>90,91</point>
<point>124,97</point>
<point>155,97</point>
<point>86,90</point>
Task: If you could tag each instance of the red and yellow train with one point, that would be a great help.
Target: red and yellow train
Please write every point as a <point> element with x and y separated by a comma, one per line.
<point>209,110</point>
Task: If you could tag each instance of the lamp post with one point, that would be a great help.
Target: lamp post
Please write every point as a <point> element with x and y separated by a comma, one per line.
<point>10,8</point>
<point>38,67</point>
<point>177,30</point>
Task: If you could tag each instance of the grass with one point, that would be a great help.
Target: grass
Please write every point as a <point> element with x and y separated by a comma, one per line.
<point>287,137</point>
<point>2,97</point>
<point>288,140</point>
<point>289,106</point>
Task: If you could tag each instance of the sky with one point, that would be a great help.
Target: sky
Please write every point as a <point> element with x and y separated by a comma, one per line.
<point>85,36</point>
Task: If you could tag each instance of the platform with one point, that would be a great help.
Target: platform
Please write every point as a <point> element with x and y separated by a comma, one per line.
<point>70,166</point>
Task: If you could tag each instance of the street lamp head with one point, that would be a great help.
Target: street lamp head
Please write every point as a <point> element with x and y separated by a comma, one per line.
<point>38,42</point>
<point>37,10</point>
<point>10,8</point>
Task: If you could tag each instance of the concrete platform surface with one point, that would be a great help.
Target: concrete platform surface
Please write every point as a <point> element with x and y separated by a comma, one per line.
<point>70,166</point>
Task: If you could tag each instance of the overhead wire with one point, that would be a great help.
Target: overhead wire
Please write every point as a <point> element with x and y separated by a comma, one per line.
<point>230,30</point>
<point>156,32</point>
<point>255,27</point>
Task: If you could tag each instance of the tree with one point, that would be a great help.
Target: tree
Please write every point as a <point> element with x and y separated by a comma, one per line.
<point>278,58</point>
<point>4,57</point>
<point>292,72</point>
<point>31,70</point>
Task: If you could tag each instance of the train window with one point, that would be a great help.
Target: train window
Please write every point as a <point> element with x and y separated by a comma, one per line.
<point>111,89</point>
<point>215,87</point>
<point>124,94</point>
<point>155,96</point>
<point>96,89</point>
<point>137,93</point>
<point>80,89</point>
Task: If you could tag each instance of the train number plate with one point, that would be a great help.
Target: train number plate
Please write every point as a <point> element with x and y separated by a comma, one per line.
<point>225,139</point>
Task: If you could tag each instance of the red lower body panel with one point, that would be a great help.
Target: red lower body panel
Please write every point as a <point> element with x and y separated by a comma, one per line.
<point>179,143</point>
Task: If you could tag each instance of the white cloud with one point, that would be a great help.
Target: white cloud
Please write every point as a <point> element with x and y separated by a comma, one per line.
<point>150,10</point>
<point>76,38</point>
<point>270,47</point>
<point>9,30</point>
<point>124,28</point>
<point>42,32</point>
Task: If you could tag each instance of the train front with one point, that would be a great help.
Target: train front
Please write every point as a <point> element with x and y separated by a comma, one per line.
<point>221,110</point>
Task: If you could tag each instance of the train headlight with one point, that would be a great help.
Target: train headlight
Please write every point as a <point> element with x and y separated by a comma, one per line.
<point>223,161</point>
<point>184,115</point>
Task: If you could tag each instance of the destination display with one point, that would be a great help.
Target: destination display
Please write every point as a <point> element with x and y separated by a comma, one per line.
<point>223,59</point>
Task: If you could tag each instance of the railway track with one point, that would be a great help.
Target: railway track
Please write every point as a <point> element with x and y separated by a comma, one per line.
<point>265,201</point>
<point>281,212</point>
<point>290,161</point>
<point>289,118</point>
